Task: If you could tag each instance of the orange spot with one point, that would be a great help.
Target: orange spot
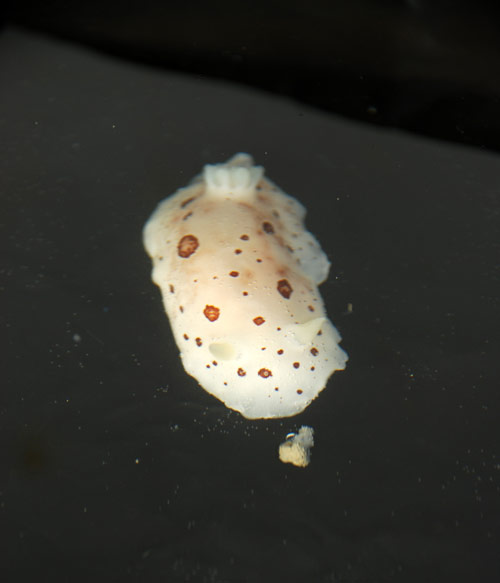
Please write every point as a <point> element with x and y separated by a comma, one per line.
<point>234,273</point>
<point>187,201</point>
<point>237,251</point>
<point>172,289</point>
<point>241,372</point>
<point>187,246</point>
<point>299,391</point>
<point>258,321</point>
<point>211,313</point>
<point>265,373</point>
<point>244,237</point>
<point>285,288</point>
<point>198,341</point>
<point>296,364</point>
<point>311,309</point>
<point>280,351</point>
<point>186,337</point>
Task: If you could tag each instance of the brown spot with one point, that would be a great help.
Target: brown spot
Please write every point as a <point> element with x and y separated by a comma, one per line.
<point>187,201</point>
<point>245,293</point>
<point>299,391</point>
<point>241,372</point>
<point>187,246</point>
<point>285,288</point>
<point>319,333</point>
<point>259,260</point>
<point>314,351</point>
<point>264,348</point>
<point>313,368</point>
<point>311,309</point>
<point>181,308</point>
<point>268,228</point>
<point>258,321</point>
<point>186,337</point>
<point>296,364</point>
<point>198,341</point>
<point>186,217</point>
<point>237,251</point>
<point>289,248</point>
<point>208,366</point>
<point>244,237</point>
<point>276,214</point>
<point>214,362</point>
<point>234,273</point>
<point>265,373</point>
<point>280,351</point>
<point>172,289</point>
<point>279,329</point>
<point>276,388</point>
<point>211,313</point>
<point>225,384</point>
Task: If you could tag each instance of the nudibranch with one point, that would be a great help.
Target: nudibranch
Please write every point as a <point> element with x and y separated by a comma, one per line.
<point>239,277</point>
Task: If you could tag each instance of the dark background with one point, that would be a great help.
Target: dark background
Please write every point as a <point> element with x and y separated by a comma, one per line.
<point>115,465</point>
<point>430,66</point>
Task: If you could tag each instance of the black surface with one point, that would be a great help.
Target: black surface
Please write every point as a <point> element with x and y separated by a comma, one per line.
<point>428,66</point>
<point>116,466</point>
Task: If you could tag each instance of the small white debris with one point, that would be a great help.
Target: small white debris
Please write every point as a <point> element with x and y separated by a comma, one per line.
<point>295,449</point>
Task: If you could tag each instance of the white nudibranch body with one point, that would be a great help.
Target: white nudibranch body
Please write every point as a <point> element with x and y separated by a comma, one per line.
<point>238,274</point>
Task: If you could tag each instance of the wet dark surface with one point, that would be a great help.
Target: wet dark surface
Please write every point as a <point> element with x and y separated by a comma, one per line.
<point>117,466</point>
